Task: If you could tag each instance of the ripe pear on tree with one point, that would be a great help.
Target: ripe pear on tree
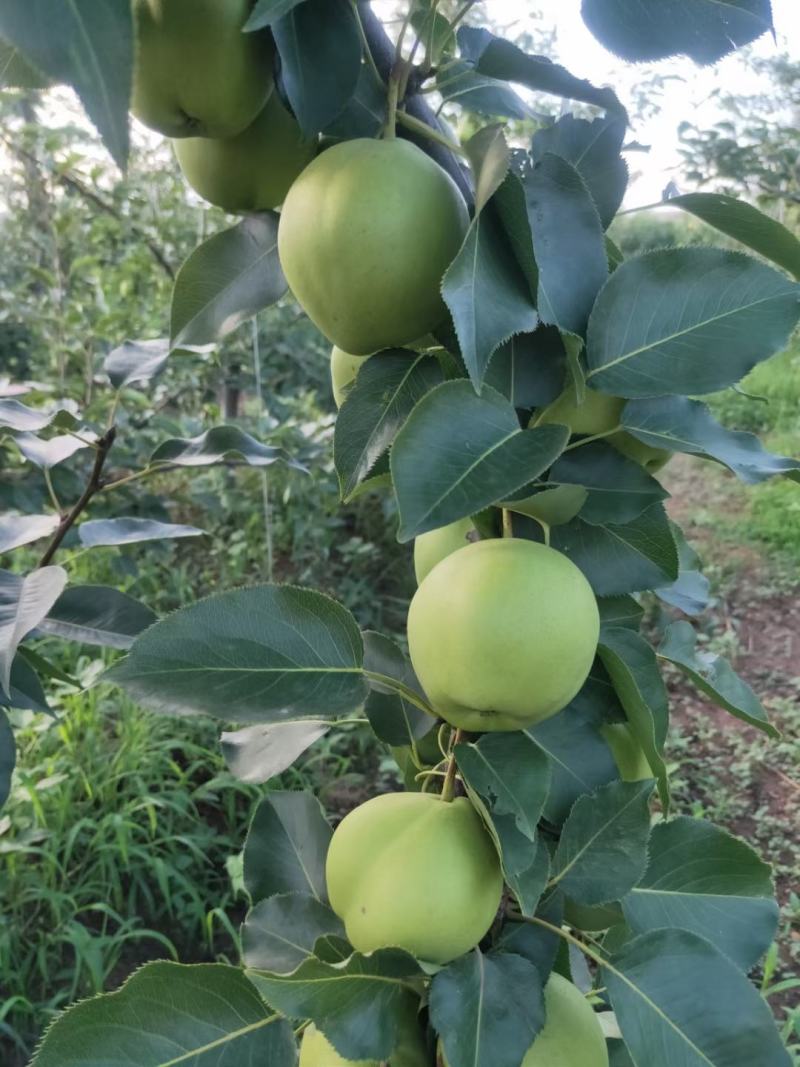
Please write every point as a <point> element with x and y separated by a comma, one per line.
<point>415,872</point>
<point>252,171</point>
<point>596,415</point>
<point>317,1051</point>
<point>195,73</point>
<point>344,371</point>
<point>502,634</point>
<point>365,237</point>
<point>432,547</point>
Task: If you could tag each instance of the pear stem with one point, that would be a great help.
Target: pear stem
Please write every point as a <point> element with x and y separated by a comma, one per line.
<point>449,786</point>
<point>508,523</point>
<point>593,437</point>
<point>424,130</point>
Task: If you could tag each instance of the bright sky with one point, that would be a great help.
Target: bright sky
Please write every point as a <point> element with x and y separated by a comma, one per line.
<point>689,98</point>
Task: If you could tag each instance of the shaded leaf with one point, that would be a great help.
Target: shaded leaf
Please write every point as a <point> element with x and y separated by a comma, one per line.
<point>394,719</point>
<point>702,879</point>
<point>264,654</point>
<point>225,281</point>
<point>215,446</point>
<point>136,361</point>
<point>128,531</point>
<point>97,615</point>
<point>280,932</point>
<point>618,488</point>
<point>494,456</point>
<point>286,847</point>
<point>8,755</point>
<point>257,753</point>
<point>26,690</point>
<point>24,602</point>
<point>364,114</point>
<point>461,84</point>
<point>49,453</point>
<point>266,12</point>
<point>620,611</point>
<point>687,320</point>
<point>535,943</point>
<point>489,157</point>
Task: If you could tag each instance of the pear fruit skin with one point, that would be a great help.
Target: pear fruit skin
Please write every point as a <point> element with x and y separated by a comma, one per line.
<point>432,547</point>
<point>344,371</point>
<point>571,1035</point>
<point>252,171</point>
<point>412,871</point>
<point>365,237</point>
<point>195,73</point>
<point>317,1051</point>
<point>627,752</point>
<point>598,413</point>
<point>502,634</point>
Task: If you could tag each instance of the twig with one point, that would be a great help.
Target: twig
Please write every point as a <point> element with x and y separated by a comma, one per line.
<point>94,484</point>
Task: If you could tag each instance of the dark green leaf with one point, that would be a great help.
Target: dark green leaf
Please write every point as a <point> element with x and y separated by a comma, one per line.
<point>286,847</point>
<point>257,753</point>
<point>489,157</point>
<point>494,456</point>
<point>462,85</point>
<point>227,280</point>
<point>386,390</point>
<point>602,851</point>
<point>488,1009</point>
<point>535,943</point>
<point>702,879</point>
<point>364,114</point>
<point>16,72</point>
<point>97,615</point>
<point>523,370</point>
<point>622,558</point>
<point>206,1015</point>
<point>512,212</point>
<point>705,30</point>
<point>136,361</point>
<point>24,602</point>
<point>620,611</point>
<point>619,489</point>
<point>280,932</point>
<point>215,446</point>
<point>713,675</point>
<point>266,654</point>
<point>18,530</point>
<point>486,293</point>
<point>687,320</point>
<point>8,756</point>
<point>267,12</point>
<point>26,690</point>
<point>128,531</point>
<point>359,1005</point>
<point>593,148</point>
<point>680,1003</point>
<point>633,668</point>
<point>566,231</point>
<point>320,50</point>
<point>16,416</point>
<point>86,44</point>
<point>683,425</point>
<point>497,58</point>
<point>394,719</point>
<point>690,592</point>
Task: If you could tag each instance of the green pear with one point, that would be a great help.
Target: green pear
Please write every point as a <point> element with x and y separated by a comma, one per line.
<point>599,413</point>
<point>415,872</point>
<point>195,73</point>
<point>344,371</point>
<point>627,752</point>
<point>432,547</point>
<point>502,634</point>
<point>252,171</point>
<point>366,234</point>
<point>571,1036</point>
<point>317,1051</point>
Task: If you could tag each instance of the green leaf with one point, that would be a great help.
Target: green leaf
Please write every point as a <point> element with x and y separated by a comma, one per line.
<point>270,653</point>
<point>16,416</point>
<point>494,456</point>
<point>267,12</point>
<point>359,1005</point>
<point>17,73</point>
<point>127,531</point>
<point>690,592</point>
<point>215,446</point>
<point>512,212</point>
<point>714,676</point>
<point>618,488</point>
<point>364,114</point>
<point>526,369</point>
<point>702,879</point>
<point>136,361</point>
<point>500,59</point>
<point>462,85</point>
<point>705,30</point>
<point>87,44</point>
<point>26,690</point>
<point>680,1003</point>
<point>687,320</point>
<point>280,932</point>
<point>593,149</point>
<point>320,50</point>
<point>257,753</point>
<point>488,1009</point>
<point>489,156</point>
<point>580,760</point>
<point>24,602</point>
<point>683,425</point>
<point>8,756</point>
<point>602,851</point>
<point>49,453</point>
<point>225,281</point>
<point>394,719</point>
<point>620,611</point>
<point>511,775</point>
<point>535,943</point>
<point>487,294</point>
<point>746,224</point>
<point>97,615</point>
<point>633,668</point>
<point>18,530</point>
<point>566,230</point>
<point>286,847</point>
<point>166,1014</point>
<point>624,558</point>
<point>383,395</point>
